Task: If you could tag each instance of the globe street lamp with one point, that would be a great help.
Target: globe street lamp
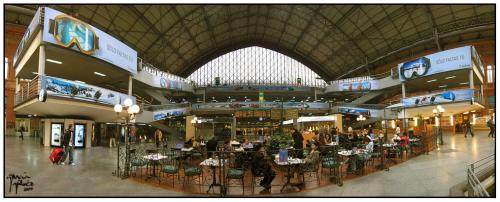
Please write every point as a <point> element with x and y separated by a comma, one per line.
<point>438,112</point>
<point>132,110</point>
<point>361,118</point>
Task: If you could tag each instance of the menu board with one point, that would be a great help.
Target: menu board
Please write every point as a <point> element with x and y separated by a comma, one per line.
<point>276,114</point>
<point>292,114</point>
<point>56,130</point>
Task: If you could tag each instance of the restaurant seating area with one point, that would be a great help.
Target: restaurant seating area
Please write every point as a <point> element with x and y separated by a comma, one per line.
<point>229,172</point>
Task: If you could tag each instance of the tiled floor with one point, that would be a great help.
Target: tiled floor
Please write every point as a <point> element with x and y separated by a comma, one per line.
<point>425,175</point>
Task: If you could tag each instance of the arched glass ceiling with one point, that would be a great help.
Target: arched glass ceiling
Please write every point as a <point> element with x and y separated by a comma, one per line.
<point>256,66</point>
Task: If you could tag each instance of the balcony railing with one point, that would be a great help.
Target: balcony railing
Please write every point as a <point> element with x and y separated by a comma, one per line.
<point>475,172</point>
<point>28,90</point>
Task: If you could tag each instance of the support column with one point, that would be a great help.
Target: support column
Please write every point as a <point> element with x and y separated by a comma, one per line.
<point>41,60</point>
<point>130,85</point>
<point>482,95</point>
<point>338,122</point>
<point>204,96</point>
<point>403,90</point>
<point>189,128</point>
<point>233,128</point>
<point>296,124</point>
<point>315,95</point>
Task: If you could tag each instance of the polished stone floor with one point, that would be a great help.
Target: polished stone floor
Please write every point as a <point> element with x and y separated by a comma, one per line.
<point>425,175</point>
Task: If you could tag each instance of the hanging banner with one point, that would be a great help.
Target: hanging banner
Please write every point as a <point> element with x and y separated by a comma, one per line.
<point>444,61</point>
<point>358,86</point>
<point>28,35</point>
<point>439,98</point>
<point>69,32</point>
<point>355,111</point>
<point>70,89</point>
<point>163,114</point>
<point>262,105</point>
<point>252,88</point>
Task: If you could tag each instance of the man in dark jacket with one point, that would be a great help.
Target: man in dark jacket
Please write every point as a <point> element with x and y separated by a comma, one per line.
<point>260,167</point>
<point>68,146</point>
<point>298,144</point>
<point>468,128</point>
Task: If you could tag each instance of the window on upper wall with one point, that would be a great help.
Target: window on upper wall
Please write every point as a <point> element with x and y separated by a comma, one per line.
<point>490,73</point>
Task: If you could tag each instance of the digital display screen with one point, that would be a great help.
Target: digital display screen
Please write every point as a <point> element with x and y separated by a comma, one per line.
<point>79,135</point>
<point>56,134</point>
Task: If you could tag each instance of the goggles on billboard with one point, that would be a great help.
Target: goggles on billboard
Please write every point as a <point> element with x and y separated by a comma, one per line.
<point>438,98</point>
<point>415,68</point>
<point>69,31</point>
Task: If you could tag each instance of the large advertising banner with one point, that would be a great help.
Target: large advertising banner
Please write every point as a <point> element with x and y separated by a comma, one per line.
<point>262,105</point>
<point>70,89</point>
<point>439,98</point>
<point>355,111</point>
<point>163,114</point>
<point>28,34</point>
<point>79,135</point>
<point>69,32</point>
<point>262,88</point>
<point>359,86</point>
<point>444,61</point>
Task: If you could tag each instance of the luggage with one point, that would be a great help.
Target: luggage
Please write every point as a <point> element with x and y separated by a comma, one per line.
<point>56,155</point>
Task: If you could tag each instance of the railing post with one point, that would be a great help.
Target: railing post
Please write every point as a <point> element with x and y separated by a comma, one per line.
<point>28,90</point>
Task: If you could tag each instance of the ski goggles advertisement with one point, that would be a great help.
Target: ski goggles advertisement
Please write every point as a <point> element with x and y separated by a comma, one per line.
<point>444,61</point>
<point>262,105</point>
<point>70,89</point>
<point>355,111</point>
<point>69,32</point>
<point>439,98</point>
<point>28,34</point>
<point>356,86</point>
<point>159,115</point>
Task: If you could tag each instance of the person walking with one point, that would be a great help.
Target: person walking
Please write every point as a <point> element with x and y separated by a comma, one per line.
<point>22,132</point>
<point>468,128</point>
<point>491,125</point>
<point>112,138</point>
<point>68,146</point>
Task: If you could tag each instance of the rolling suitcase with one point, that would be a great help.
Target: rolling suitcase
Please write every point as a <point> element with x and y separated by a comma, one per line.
<point>56,155</point>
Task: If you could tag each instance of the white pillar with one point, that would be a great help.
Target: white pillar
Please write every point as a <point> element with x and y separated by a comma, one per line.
<point>315,95</point>
<point>296,124</point>
<point>403,89</point>
<point>41,60</point>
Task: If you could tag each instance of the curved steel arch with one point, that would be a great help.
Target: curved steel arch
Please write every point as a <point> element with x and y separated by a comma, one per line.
<point>215,53</point>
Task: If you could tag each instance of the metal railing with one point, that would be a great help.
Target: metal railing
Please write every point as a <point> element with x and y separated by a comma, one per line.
<point>28,90</point>
<point>475,172</point>
<point>364,78</point>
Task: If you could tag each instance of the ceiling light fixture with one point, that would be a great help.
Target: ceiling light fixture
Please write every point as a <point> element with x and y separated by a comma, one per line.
<point>464,83</point>
<point>450,77</point>
<point>429,81</point>
<point>99,74</point>
<point>443,86</point>
<point>54,61</point>
<point>77,81</point>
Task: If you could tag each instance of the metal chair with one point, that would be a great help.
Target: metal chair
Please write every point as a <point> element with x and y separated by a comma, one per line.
<point>236,171</point>
<point>136,163</point>
<point>193,172</point>
<point>170,168</point>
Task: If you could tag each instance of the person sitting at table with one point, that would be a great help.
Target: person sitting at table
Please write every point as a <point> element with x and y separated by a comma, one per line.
<point>369,145</point>
<point>313,156</point>
<point>189,143</point>
<point>212,146</point>
<point>395,139</point>
<point>261,167</point>
<point>247,144</point>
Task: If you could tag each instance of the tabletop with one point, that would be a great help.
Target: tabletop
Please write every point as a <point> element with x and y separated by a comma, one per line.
<point>350,152</point>
<point>234,142</point>
<point>291,161</point>
<point>187,149</point>
<point>389,145</point>
<point>213,162</point>
<point>155,157</point>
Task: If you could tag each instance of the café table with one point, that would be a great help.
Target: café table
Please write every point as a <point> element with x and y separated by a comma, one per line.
<point>414,142</point>
<point>289,164</point>
<point>351,155</point>
<point>389,147</point>
<point>154,159</point>
<point>214,164</point>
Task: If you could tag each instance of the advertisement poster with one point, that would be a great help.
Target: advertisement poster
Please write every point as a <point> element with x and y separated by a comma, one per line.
<point>56,133</point>
<point>355,111</point>
<point>262,105</point>
<point>439,98</point>
<point>79,135</point>
<point>28,34</point>
<point>356,86</point>
<point>65,88</point>
<point>69,32</point>
<point>163,114</point>
<point>444,61</point>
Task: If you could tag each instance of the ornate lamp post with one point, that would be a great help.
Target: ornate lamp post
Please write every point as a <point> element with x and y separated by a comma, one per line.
<point>132,110</point>
<point>361,118</point>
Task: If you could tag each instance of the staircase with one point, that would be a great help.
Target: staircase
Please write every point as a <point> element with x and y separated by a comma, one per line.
<point>367,97</point>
